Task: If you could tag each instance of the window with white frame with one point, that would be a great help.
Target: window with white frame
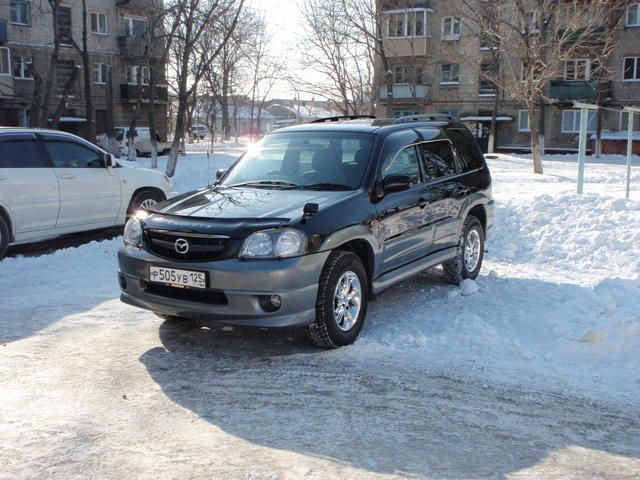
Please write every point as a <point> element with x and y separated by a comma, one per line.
<point>523,121</point>
<point>21,12</point>
<point>530,22</point>
<point>631,71</point>
<point>21,67</point>
<point>407,23</point>
<point>451,28</point>
<point>582,69</point>
<point>571,121</point>
<point>99,23</point>
<point>132,75</point>
<point>633,15</point>
<point>5,61</point>
<point>100,73</point>
<point>450,74</point>
<point>134,27</point>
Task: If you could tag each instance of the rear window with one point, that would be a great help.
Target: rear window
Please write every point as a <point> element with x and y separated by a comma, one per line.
<point>439,159</point>
<point>469,153</point>
<point>21,153</point>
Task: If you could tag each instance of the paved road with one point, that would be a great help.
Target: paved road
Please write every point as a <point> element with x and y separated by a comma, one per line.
<point>114,393</point>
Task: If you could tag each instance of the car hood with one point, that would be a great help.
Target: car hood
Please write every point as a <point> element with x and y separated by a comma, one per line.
<point>242,203</point>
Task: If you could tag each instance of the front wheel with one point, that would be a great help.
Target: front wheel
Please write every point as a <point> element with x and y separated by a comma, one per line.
<point>144,199</point>
<point>470,253</point>
<point>341,306</point>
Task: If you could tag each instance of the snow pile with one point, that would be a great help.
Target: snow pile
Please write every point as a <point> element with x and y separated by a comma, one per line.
<point>588,232</point>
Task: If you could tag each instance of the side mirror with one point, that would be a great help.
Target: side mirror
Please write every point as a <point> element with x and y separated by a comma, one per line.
<point>396,183</point>
<point>109,160</point>
<point>220,173</point>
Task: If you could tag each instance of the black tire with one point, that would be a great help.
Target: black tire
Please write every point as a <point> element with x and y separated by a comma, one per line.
<point>455,270</point>
<point>141,197</point>
<point>324,331</point>
<point>4,237</point>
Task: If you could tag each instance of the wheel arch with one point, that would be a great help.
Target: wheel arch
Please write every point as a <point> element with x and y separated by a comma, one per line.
<point>145,189</point>
<point>479,211</point>
<point>4,213</point>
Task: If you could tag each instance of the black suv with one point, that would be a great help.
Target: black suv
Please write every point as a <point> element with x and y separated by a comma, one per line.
<point>311,223</point>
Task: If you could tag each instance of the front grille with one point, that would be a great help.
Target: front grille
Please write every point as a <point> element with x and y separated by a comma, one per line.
<point>200,296</point>
<point>201,247</point>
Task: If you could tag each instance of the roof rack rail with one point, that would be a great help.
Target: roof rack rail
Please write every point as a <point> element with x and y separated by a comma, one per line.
<point>342,117</point>
<point>434,117</point>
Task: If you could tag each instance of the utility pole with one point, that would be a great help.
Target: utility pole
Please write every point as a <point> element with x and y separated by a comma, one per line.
<point>582,143</point>
<point>630,111</point>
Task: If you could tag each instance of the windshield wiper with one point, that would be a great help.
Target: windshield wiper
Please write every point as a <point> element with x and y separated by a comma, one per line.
<point>264,183</point>
<point>327,186</point>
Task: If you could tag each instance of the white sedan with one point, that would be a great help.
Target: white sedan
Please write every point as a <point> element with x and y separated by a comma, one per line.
<point>53,183</point>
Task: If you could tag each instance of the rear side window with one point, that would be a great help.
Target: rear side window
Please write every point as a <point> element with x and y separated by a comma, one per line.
<point>67,154</point>
<point>468,151</point>
<point>21,153</point>
<point>439,159</point>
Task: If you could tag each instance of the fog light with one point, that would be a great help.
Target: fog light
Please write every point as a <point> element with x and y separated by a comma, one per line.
<point>270,303</point>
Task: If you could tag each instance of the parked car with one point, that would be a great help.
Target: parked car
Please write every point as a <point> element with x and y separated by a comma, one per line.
<point>199,131</point>
<point>313,222</point>
<point>54,183</point>
<point>142,142</point>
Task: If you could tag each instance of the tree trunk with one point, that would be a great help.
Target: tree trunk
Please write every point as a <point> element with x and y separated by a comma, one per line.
<point>491,148</point>
<point>535,141</point>
<point>224,101</point>
<point>152,120</point>
<point>86,63</point>
<point>112,146</point>
<point>177,138</point>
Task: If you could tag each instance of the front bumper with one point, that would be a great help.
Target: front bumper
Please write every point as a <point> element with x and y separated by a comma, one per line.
<point>237,282</point>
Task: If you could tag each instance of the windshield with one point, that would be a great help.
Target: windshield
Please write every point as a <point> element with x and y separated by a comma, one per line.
<point>321,160</point>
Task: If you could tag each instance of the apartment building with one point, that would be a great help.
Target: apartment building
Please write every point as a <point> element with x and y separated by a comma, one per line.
<point>437,62</point>
<point>119,34</point>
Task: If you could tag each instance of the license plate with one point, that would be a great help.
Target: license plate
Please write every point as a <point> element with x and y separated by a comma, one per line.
<point>177,278</point>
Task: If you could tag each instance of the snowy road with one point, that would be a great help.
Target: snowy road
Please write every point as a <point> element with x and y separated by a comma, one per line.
<point>536,375</point>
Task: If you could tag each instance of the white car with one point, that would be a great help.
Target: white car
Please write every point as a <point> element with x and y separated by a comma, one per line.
<point>53,183</point>
<point>142,141</point>
<point>199,131</point>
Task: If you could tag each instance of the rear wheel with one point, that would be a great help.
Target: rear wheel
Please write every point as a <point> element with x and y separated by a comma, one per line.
<point>341,306</point>
<point>144,199</point>
<point>470,253</point>
<point>4,237</point>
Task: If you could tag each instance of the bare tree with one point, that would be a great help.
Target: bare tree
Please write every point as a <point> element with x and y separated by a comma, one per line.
<point>334,50</point>
<point>189,62</point>
<point>535,38</point>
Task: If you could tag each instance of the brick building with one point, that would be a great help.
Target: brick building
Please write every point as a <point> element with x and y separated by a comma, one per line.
<point>437,63</point>
<point>119,32</point>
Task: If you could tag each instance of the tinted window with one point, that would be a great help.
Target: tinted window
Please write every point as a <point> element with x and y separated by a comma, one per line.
<point>404,163</point>
<point>468,151</point>
<point>439,159</point>
<point>67,154</point>
<point>21,154</point>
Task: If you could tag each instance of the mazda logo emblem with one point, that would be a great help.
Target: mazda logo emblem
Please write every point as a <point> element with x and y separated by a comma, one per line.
<point>181,246</point>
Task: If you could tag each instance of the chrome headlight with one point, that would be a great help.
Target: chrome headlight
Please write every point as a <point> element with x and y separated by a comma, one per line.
<point>274,244</point>
<point>133,232</point>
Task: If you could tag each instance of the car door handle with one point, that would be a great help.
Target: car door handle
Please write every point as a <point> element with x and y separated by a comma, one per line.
<point>67,176</point>
<point>422,202</point>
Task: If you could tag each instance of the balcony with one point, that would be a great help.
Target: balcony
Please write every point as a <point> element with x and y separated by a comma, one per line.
<point>129,93</point>
<point>406,92</point>
<point>134,46</point>
<point>566,90</point>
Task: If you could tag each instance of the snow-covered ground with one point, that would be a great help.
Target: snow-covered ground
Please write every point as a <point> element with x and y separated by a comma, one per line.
<point>533,371</point>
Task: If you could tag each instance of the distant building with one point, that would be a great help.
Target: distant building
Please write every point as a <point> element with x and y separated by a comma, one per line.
<point>117,40</point>
<point>426,42</point>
